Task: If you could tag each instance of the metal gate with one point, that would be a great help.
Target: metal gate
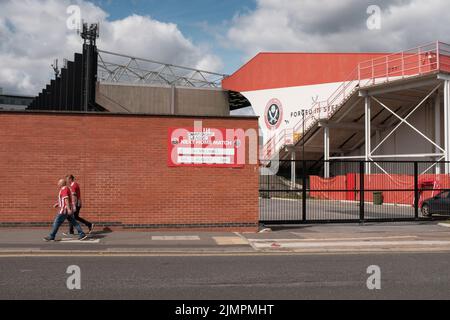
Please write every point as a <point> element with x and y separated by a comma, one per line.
<point>356,191</point>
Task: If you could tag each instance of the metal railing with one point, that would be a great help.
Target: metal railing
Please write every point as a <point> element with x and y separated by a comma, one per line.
<point>352,195</point>
<point>419,61</point>
<point>119,68</point>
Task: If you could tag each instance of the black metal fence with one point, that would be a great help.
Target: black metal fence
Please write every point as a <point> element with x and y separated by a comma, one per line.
<point>354,191</point>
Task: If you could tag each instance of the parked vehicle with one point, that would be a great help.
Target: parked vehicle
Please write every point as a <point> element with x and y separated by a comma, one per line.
<point>439,204</point>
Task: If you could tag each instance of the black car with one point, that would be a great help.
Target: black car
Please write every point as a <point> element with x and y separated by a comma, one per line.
<point>440,204</point>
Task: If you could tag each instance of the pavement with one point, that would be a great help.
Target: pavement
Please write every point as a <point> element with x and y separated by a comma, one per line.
<point>305,239</point>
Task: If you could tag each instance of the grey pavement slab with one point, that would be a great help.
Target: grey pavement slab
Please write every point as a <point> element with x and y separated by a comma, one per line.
<point>346,237</point>
<point>354,238</point>
<point>121,240</point>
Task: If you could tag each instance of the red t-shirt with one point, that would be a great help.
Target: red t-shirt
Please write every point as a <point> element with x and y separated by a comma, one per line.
<point>64,193</point>
<point>75,188</point>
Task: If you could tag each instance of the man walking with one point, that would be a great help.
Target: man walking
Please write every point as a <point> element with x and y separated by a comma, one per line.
<point>65,212</point>
<point>76,203</point>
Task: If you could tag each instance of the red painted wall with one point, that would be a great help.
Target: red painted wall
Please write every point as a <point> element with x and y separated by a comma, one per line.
<point>346,186</point>
<point>121,165</point>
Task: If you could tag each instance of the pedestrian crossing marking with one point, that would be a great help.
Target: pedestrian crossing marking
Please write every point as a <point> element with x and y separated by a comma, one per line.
<point>333,239</point>
<point>72,240</point>
<point>229,241</point>
<point>347,244</point>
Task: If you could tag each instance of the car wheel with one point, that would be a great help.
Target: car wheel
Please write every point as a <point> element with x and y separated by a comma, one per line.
<point>426,210</point>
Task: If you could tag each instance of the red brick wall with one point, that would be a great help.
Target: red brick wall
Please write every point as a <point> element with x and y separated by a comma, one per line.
<point>121,165</point>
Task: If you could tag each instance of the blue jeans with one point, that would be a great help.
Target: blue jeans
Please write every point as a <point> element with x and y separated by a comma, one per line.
<point>59,220</point>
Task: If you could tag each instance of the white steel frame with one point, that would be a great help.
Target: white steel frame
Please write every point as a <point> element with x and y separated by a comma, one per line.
<point>441,153</point>
<point>120,68</point>
<point>446,124</point>
<point>419,61</point>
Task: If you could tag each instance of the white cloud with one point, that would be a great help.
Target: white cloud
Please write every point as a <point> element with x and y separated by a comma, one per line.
<point>328,25</point>
<point>34,32</point>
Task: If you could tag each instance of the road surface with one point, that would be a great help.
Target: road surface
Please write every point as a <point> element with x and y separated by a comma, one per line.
<point>403,276</point>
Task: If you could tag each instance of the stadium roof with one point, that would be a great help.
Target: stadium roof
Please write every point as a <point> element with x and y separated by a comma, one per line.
<point>270,70</point>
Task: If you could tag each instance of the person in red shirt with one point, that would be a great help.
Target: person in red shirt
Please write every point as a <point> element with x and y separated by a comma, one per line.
<point>76,204</point>
<point>65,212</point>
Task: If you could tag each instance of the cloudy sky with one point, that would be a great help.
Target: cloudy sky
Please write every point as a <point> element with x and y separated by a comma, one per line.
<point>215,35</point>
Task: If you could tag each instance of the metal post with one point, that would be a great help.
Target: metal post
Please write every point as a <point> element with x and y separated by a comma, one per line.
<point>437,127</point>
<point>359,73</point>
<point>373,75</point>
<point>438,56</point>
<point>172,100</point>
<point>293,175</point>
<point>304,191</point>
<point>416,190</point>
<point>420,66</point>
<point>403,65</point>
<point>361,191</point>
<point>88,74</point>
<point>368,146</point>
<point>303,135</point>
<point>446,124</point>
<point>377,136</point>
<point>326,149</point>
<point>387,69</point>
<point>86,79</point>
<point>304,169</point>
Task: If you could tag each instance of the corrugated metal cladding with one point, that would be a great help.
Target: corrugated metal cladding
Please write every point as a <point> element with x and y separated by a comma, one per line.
<point>280,70</point>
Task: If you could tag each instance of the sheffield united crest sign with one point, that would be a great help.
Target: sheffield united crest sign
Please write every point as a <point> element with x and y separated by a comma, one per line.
<point>273,114</point>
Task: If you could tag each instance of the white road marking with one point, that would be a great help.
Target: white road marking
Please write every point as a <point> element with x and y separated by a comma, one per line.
<point>355,239</point>
<point>376,205</point>
<point>305,245</point>
<point>331,239</point>
<point>175,238</point>
<point>229,241</point>
<point>284,199</point>
<point>71,240</point>
<point>342,201</point>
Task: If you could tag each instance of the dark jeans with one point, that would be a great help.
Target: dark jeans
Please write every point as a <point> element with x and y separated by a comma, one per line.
<point>78,218</point>
<point>59,220</point>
